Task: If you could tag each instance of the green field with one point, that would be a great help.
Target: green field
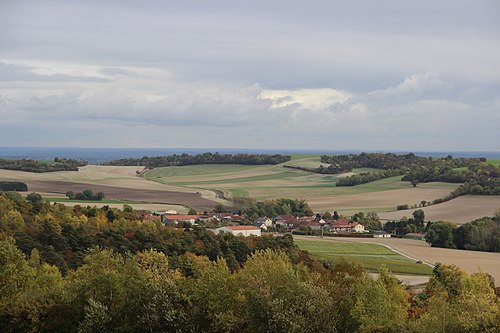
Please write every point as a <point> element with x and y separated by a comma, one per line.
<point>264,182</point>
<point>372,256</point>
<point>495,162</point>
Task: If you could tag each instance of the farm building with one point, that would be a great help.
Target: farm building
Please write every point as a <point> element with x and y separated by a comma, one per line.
<point>240,230</point>
<point>347,226</point>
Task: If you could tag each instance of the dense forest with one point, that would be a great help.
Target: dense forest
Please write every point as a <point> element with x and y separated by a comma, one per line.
<point>59,164</point>
<point>205,158</point>
<point>88,270</point>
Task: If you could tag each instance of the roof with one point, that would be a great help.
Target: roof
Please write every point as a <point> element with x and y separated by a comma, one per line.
<point>241,227</point>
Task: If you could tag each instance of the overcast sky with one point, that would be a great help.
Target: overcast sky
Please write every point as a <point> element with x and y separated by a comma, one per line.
<point>374,75</point>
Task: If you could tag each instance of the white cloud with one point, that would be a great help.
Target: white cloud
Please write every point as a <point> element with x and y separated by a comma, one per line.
<point>157,107</point>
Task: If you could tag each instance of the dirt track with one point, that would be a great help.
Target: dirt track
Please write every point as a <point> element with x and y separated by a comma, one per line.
<point>121,193</point>
<point>470,261</point>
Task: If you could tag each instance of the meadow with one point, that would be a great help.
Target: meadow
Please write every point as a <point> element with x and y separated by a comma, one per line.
<point>264,182</point>
<point>372,256</point>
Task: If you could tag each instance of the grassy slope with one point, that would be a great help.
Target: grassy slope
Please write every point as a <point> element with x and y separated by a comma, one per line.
<point>372,256</point>
<point>272,181</point>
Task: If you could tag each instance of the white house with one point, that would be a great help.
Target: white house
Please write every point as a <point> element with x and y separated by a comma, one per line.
<point>240,230</point>
<point>265,220</point>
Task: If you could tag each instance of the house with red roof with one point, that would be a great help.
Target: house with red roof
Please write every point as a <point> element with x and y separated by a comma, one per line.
<point>345,226</point>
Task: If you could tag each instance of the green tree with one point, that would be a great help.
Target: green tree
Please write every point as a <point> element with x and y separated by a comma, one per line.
<point>440,234</point>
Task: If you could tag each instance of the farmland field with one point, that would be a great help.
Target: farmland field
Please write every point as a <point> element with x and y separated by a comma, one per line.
<point>319,190</point>
<point>119,183</point>
<point>470,261</point>
<point>459,210</point>
<point>198,186</point>
<point>372,256</point>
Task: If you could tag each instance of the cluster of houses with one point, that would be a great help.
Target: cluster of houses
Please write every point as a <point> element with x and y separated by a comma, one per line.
<point>281,222</point>
<point>315,223</point>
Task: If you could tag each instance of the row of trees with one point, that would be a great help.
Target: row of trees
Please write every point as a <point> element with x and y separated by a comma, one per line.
<point>205,158</point>
<point>13,186</point>
<point>480,235</point>
<point>59,164</point>
<point>367,177</point>
<point>85,195</point>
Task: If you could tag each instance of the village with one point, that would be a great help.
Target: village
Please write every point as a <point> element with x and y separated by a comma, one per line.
<point>239,225</point>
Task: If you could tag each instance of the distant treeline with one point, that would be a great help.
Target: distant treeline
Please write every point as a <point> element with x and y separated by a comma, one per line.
<point>394,161</point>
<point>59,164</point>
<point>13,186</point>
<point>205,158</point>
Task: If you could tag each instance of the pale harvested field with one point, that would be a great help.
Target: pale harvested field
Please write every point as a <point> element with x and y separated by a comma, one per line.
<point>470,261</point>
<point>460,210</point>
<point>275,181</point>
<point>390,198</point>
<point>117,176</point>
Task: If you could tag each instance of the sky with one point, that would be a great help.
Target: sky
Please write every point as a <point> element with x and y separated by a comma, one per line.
<point>364,75</point>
